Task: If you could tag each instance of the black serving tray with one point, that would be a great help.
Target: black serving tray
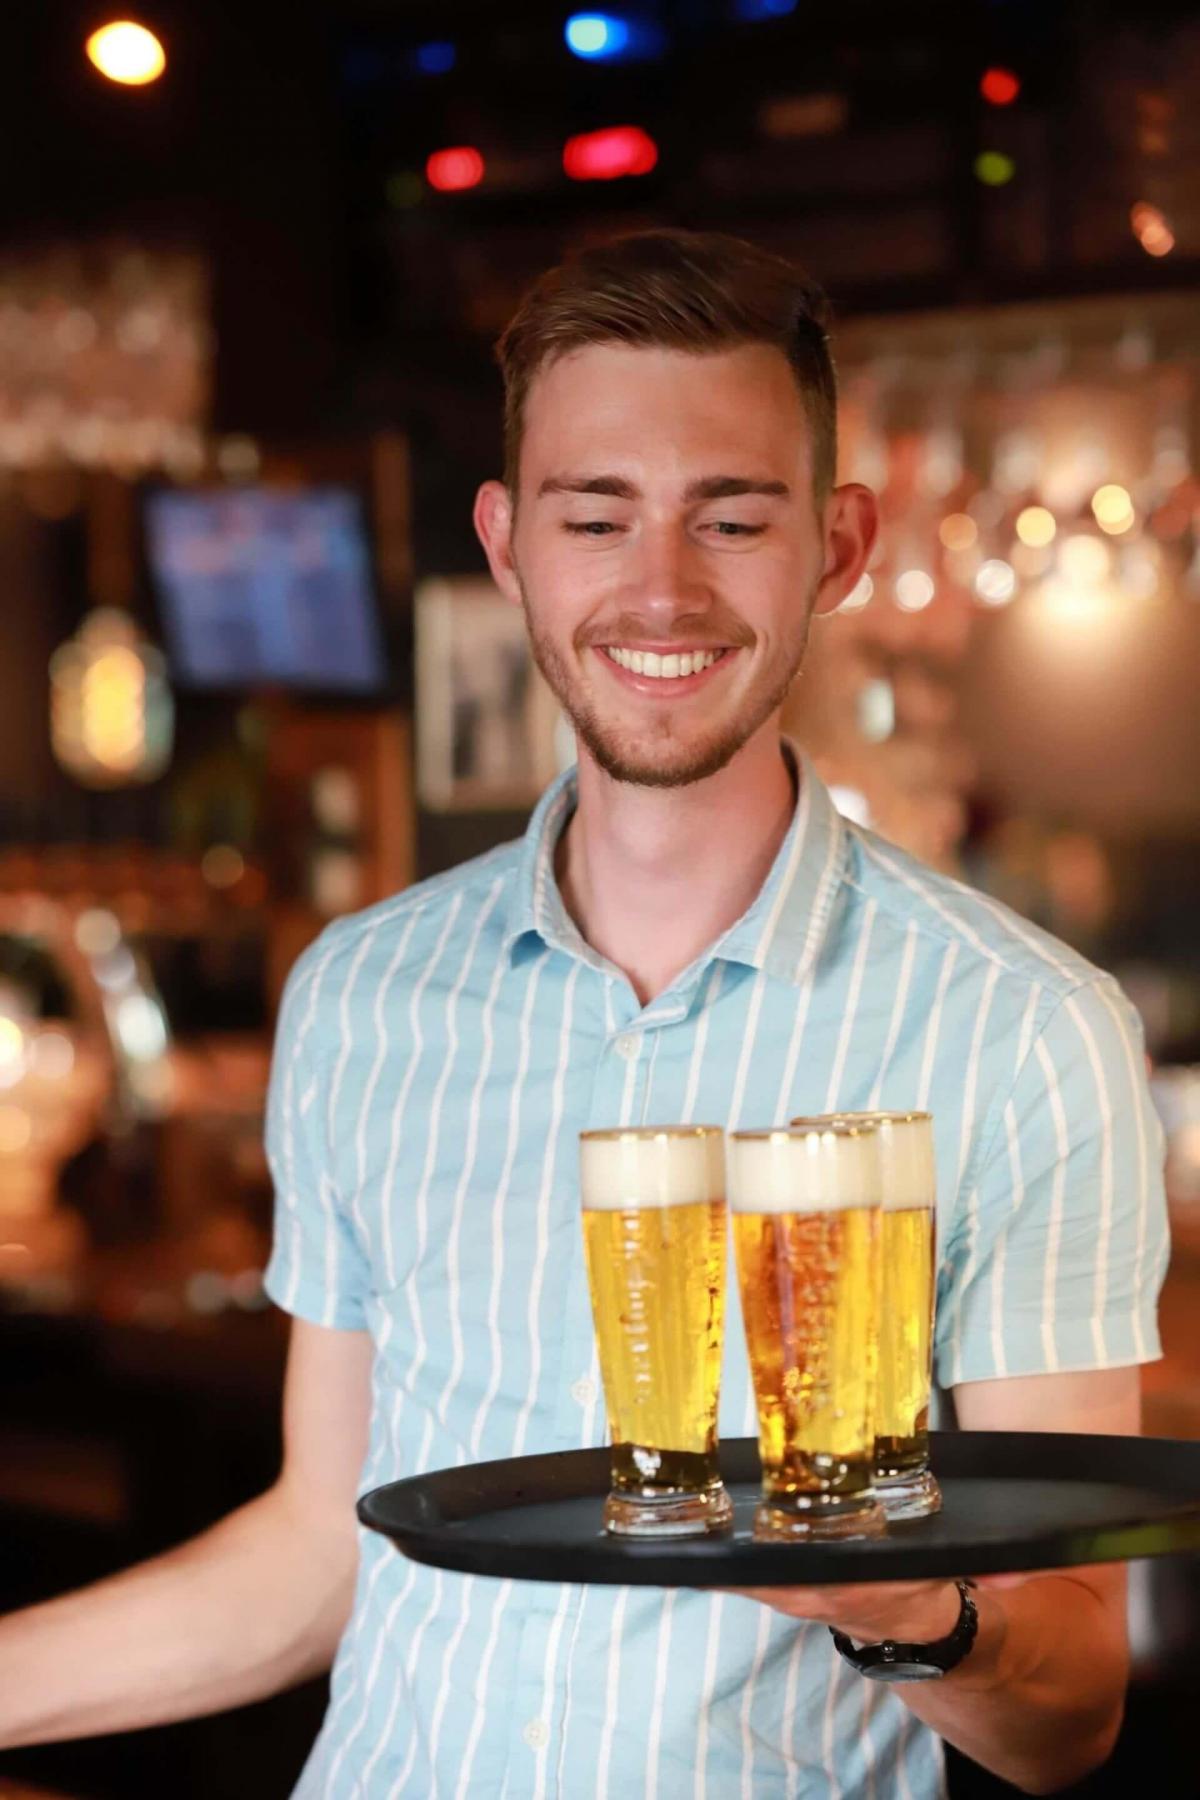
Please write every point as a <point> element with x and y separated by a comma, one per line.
<point>1013,1501</point>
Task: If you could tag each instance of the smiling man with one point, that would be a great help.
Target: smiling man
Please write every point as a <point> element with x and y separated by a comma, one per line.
<point>687,931</point>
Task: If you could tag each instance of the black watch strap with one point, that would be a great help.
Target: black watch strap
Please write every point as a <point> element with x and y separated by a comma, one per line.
<point>890,1661</point>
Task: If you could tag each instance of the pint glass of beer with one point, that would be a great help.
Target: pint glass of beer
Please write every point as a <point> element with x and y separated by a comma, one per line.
<point>806,1231</point>
<point>903,1480</point>
<point>654,1228</point>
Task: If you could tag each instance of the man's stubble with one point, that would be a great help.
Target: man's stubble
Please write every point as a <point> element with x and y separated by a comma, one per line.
<point>694,763</point>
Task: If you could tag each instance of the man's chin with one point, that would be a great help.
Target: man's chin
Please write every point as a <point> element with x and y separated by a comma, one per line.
<point>663,764</point>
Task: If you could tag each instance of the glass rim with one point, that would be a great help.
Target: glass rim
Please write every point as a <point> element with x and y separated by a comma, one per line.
<point>802,1128</point>
<point>613,1134</point>
<point>873,1116</point>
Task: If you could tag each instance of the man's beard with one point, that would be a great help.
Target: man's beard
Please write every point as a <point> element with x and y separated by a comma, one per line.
<point>656,766</point>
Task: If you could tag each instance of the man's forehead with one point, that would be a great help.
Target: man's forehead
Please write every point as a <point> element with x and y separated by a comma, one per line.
<point>614,405</point>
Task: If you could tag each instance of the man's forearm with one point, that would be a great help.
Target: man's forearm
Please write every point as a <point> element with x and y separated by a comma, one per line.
<point>251,1607</point>
<point>1039,1699</point>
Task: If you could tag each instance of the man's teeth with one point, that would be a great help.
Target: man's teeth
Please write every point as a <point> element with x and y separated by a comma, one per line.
<point>666,668</point>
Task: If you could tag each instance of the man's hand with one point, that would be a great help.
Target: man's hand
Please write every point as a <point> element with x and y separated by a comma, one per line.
<point>1038,1700</point>
<point>907,1612</point>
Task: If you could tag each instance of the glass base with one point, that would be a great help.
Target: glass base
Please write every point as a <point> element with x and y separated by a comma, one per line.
<point>668,1515</point>
<point>818,1517</point>
<point>911,1496</point>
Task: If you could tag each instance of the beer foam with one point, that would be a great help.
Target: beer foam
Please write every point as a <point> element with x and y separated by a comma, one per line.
<point>821,1169</point>
<point>906,1162</point>
<point>644,1167</point>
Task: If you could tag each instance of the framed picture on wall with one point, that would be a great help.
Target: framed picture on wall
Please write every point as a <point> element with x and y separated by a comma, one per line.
<point>490,734</point>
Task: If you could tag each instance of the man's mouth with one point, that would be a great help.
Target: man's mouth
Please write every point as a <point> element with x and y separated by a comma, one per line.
<point>658,666</point>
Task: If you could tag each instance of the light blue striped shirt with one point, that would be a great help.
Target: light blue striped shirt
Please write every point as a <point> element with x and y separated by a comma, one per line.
<point>437,1057</point>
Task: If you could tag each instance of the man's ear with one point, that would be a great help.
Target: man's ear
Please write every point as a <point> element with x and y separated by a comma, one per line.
<point>851,527</point>
<point>494,524</point>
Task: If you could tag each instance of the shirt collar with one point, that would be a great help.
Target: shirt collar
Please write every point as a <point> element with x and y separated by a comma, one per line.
<point>782,930</point>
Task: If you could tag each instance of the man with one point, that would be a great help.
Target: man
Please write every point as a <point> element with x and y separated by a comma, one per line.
<point>687,931</point>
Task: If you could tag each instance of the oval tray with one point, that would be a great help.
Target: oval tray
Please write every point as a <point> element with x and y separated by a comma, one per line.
<point>1013,1501</point>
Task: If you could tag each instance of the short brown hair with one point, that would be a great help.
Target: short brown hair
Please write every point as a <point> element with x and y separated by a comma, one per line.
<point>678,290</point>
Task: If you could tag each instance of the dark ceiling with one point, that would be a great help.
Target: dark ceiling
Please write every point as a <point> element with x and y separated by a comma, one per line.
<point>290,142</point>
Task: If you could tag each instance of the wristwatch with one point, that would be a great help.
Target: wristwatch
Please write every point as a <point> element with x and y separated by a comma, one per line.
<point>915,1662</point>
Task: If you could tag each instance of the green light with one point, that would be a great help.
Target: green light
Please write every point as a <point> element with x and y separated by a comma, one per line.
<point>994,169</point>
<point>405,190</point>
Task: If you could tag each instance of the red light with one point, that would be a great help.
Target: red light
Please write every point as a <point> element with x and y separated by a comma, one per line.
<point>999,87</point>
<point>603,155</point>
<point>450,171</point>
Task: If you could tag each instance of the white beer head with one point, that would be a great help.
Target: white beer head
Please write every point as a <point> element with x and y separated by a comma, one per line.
<point>651,1165</point>
<point>820,1165</point>
<point>906,1162</point>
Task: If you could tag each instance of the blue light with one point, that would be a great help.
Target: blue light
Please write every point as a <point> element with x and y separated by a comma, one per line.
<point>435,59</point>
<point>595,36</point>
<point>764,9</point>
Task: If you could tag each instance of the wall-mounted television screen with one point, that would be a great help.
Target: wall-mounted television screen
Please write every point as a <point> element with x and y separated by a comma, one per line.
<point>266,587</point>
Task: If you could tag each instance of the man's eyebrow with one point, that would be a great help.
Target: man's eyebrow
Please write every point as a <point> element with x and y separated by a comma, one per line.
<point>615,485</point>
<point>728,487</point>
<point>711,487</point>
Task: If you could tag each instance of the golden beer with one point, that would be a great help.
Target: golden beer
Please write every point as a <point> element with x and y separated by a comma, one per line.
<point>806,1232</point>
<point>654,1227</point>
<point>903,1480</point>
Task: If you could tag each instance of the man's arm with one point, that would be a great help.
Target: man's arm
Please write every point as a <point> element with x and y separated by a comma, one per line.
<point>1039,1700</point>
<point>252,1606</point>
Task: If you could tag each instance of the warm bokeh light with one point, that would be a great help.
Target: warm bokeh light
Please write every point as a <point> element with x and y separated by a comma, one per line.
<point>1031,560</point>
<point>605,155</point>
<point>1036,526</point>
<point>1084,560</point>
<point>958,531</point>
<point>126,52</point>
<point>12,1043</point>
<point>222,865</point>
<point>859,595</point>
<point>111,712</point>
<point>1151,229</point>
<point>914,590</point>
<point>113,704</point>
<point>51,1055</point>
<point>999,87</point>
<point>994,169</point>
<point>451,171</point>
<point>1138,572</point>
<point>1113,509</point>
<point>1081,607</point>
<point>97,932</point>
<point>996,582</point>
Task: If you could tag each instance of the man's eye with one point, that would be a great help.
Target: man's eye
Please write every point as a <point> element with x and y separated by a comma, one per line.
<point>730,528</point>
<point>589,527</point>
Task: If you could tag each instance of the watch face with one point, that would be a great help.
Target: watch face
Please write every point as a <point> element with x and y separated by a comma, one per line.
<point>904,1671</point>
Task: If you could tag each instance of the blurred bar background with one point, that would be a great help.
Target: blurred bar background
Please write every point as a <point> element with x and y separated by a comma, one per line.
<point>252,673</point>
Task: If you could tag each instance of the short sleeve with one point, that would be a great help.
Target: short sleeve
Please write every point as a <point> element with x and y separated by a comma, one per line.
<point>317,1269</point>
<point>1056,1260</point>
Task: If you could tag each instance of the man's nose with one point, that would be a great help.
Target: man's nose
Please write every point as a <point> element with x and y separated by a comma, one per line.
<point>667,577</point>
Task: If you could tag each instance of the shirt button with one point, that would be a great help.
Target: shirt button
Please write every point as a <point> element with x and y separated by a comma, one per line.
<point>536,1735</point>
<point>583,1390</point>
<point>628,1045</point>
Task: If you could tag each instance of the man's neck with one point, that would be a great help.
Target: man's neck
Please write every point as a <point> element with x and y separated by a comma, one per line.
<point>653,876</point>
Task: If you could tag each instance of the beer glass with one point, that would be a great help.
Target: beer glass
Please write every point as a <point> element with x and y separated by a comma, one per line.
<point>806,1231</point>
<point>654,1227</point>
<point>903,1481</point>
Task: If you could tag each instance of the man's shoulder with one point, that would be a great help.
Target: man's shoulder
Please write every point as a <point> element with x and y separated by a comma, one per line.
<point>396,932</point>
<point>984,931</point>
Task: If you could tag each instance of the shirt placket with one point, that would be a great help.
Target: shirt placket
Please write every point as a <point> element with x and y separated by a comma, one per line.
<point>619,1091</point>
